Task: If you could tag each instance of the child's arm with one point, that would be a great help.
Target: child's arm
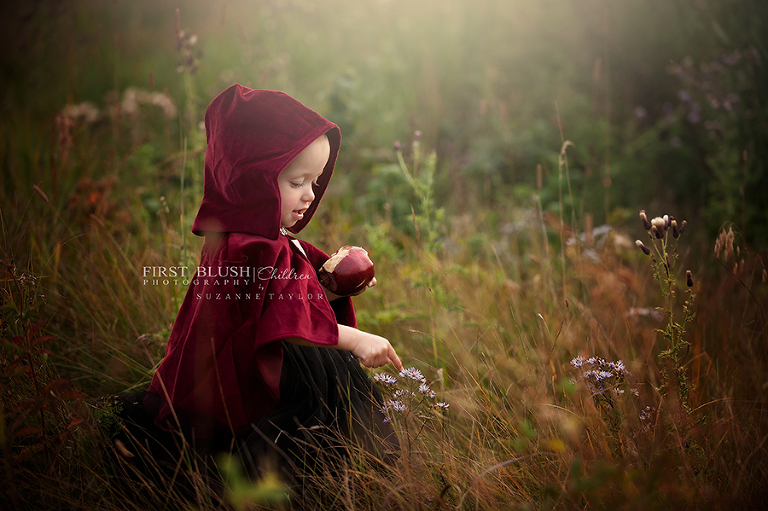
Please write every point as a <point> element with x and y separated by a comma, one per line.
<point>372,350</point>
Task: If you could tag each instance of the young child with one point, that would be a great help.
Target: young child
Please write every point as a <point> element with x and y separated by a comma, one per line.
<point>260,353</point>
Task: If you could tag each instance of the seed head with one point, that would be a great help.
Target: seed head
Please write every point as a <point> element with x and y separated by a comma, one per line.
<point>719,243</point>
<point>729,241</point>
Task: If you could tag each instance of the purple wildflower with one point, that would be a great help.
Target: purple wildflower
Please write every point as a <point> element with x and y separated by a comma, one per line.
<point>424,389</point>
<point>385,378</point>
<point>618,366</point>
<point>413,374</point>
<point>394,404</point>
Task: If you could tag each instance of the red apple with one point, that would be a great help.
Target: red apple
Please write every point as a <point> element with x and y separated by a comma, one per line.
<point>347,272</point>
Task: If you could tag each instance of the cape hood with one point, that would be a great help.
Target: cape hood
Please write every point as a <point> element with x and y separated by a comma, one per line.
<point>252,136</point>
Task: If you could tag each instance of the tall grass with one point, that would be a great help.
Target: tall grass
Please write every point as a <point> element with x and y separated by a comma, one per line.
<point>493,314</point>
<point>496,294</point>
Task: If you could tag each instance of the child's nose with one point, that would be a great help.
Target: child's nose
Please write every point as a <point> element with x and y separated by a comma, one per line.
<point>309,194</point>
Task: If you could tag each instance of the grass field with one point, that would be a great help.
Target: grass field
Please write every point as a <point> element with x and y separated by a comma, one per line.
<point>575,371</point>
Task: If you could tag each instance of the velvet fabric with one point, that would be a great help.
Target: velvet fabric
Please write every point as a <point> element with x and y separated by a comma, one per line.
<point>252,136</point>
<point>254,286</point>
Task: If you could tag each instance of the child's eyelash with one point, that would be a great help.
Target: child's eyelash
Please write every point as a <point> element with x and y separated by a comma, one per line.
<point>297,184</point>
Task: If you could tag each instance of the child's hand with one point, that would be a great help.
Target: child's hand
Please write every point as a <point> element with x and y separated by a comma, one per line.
<point>372,350</point>
<point>370,284</point>
<point>333,296</point>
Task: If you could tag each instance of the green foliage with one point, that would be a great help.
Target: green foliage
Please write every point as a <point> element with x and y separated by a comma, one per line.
<point>244,493</point>
<point>428,219</point>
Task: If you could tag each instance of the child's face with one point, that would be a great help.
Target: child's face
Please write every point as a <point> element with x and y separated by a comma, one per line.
<point>296,180</point>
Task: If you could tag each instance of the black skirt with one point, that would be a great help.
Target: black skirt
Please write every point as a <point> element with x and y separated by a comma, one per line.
<point>329,410</point>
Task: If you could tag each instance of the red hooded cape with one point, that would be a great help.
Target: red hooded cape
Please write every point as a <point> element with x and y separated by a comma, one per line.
<point>254,286</point>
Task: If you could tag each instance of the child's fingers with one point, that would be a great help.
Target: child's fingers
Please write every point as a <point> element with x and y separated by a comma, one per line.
<point>394,358</point>
<point>372,282</point>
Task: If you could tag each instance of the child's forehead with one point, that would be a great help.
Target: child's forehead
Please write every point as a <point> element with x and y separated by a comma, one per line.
<point>300,170</point>
<point>312,160</point>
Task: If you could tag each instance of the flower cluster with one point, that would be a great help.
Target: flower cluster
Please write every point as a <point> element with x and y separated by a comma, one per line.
<point>385,379</point>
<point>709,90</point>
<point>647,417</point>
<point>414,393</point>
<point>649,312</point>
<point>186,45</point>
<point>647,413</point>
<point>602,377</point>
<point>659,229</point>
<point>659,226</point>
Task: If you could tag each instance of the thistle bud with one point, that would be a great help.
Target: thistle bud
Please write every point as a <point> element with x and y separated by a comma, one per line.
<point>656,231</point>
<point>666,221</point>
<point>688,278</point>
<point>398,146</point>
<point>675,232</point>
<point>641,245</point>
<point>682,227</point>
<point>646,223</point>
